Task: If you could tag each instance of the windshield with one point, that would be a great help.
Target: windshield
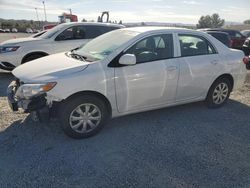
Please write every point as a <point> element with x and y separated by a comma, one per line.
<point>102,46</point>
<point>51,32</point>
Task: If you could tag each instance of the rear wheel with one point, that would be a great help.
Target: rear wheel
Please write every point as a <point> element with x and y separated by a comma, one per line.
<point>83,116</point>
<point>219,93</point>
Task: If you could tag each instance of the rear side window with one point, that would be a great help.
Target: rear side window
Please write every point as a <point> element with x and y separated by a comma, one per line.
<point>192,45</point>
<point>95,31</point>
<point>153,48</point>
<point>84,32</point>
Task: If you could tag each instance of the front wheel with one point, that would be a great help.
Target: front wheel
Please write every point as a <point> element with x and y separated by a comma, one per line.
<point>32,57</point>
<point>219,93</point>
<point>83,116</point>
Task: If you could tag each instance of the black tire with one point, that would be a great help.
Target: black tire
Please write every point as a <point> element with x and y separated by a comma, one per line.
<point>210,101</point>
<point>68,107</point>
<point>32,57</point>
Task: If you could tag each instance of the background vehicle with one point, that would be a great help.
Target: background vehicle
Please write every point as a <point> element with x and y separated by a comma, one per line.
<point>2,31</point>
<point>63,37</point>
<point>7,30</point>
<point>29,30</point>
<point>246,47</point>
<point>36,31</point>
<point>14,30</point>
<point>127,71</point>
<point>221,36</point>
<point>237,38</point>
<point>246,33</point>
<point>63,18</point>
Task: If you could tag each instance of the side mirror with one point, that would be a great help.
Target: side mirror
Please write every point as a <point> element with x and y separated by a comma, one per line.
<point>127,59</point>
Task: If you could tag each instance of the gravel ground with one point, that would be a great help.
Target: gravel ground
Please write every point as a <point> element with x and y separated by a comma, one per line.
<point>184,146</point>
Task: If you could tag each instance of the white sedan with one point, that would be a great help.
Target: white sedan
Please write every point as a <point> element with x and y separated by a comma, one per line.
<point>127,71</point>
<point>63,37</point>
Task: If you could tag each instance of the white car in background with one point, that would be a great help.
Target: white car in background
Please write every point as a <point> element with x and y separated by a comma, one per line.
<point>127,71</point>
<point>29,30</point>
<point>14,30</point>
<point>63,37</point>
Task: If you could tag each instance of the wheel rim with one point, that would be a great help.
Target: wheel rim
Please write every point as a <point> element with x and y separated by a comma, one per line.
<point>85,118</point>
<point>220,93</point>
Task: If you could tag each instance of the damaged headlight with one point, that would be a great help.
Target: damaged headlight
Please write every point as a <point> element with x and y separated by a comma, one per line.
<point>26,91</point>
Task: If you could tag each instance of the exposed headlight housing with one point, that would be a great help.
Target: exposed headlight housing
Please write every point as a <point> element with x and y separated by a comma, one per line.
<point>5,49</point>
<point>27,91</point>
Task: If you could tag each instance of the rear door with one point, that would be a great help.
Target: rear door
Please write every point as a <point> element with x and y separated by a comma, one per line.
<point>199,64</point>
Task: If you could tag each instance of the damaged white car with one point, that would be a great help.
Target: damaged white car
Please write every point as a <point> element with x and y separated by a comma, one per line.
<point>127,71</point>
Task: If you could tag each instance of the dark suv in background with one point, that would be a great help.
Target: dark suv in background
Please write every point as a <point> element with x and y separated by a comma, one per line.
<point>222,37</point>
<point>237,39</point>
<point>246,33</point>
<point>246,47</point>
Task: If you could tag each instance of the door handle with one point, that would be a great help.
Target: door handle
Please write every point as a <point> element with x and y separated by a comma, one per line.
<point>214,62</point>
<point>171,68</point>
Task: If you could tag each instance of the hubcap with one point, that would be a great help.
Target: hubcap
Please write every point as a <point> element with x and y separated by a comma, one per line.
<point>220,93</point>
<point>84,118</point>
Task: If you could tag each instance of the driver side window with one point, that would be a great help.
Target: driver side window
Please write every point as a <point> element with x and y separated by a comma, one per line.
<point>72,33</point>
<point>153,48</point>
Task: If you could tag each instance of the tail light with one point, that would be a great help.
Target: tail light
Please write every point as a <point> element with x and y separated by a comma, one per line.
<point>246,60</point>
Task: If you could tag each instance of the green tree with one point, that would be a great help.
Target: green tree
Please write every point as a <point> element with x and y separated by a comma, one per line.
<point>247,21</point>
<point>84,20</point>
<point>217,21</point>
<point>213,21</point>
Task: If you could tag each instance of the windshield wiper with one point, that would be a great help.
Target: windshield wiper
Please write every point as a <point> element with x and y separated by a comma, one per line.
<point>77,56</point>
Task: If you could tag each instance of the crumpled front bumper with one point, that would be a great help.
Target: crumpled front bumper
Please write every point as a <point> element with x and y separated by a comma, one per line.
<point>11,90</point>
<point>36,105</point>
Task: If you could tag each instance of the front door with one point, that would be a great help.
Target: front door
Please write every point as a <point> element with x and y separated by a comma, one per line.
<point>153,80</point>
<point>70,38</point>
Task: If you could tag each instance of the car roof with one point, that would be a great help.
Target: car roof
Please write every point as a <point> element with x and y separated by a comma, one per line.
<point>93,23</point>
<point>157,29</point>
<point>219,29</point>
<point>219,32</point>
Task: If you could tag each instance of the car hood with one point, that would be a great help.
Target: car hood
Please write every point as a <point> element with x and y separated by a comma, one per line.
<point>20,40</point>
<point>49,68</point>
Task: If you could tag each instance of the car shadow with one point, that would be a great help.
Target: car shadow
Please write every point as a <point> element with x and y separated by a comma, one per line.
<point>5,79</point>
<point>190,144</point>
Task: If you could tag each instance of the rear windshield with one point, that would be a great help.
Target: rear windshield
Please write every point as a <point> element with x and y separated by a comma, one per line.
<point>221,37</point>
<point>234,33</point>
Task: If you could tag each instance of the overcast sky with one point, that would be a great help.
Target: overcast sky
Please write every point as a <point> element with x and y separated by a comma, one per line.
<point>172,11</point>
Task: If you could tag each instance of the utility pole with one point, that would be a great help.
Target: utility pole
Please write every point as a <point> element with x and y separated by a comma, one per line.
<point>44,11</point>
<point>37,14</point>
<point>70,11</point>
